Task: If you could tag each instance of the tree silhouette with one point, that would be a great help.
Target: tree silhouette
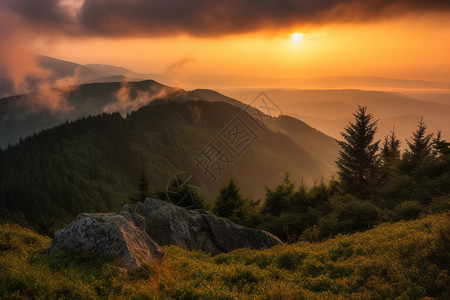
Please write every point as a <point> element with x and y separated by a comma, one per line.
<point>420,146</point>
<point>229,200</point>
<point>142,187</point>
<point>280,198</point>
<point>441,147</point>
<point>183,192</point>
<point>358,158</point>
<point>390,153</point>
<point>231,205</point>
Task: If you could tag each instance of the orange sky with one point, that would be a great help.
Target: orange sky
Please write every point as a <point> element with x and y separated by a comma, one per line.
<point>407,39</point>
<point>411,48</point>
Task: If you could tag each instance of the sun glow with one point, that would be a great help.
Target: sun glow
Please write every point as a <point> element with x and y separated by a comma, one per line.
<point>297,37</point>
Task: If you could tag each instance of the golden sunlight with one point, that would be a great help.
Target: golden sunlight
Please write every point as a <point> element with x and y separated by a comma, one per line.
<point>297,37</point>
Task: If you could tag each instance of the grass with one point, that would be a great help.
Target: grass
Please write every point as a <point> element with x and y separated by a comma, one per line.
<point>404,260</point>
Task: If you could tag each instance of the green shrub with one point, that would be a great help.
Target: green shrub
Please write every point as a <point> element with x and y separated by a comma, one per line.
<point>407,210</point>
<point>440,204</point>
<point>349,217</point>
<point>290,260</point>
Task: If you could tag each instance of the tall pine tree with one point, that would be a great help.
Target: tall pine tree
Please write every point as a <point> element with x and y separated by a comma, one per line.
<point>358,158</point>
<point>229,200</point>
<point>420,146</point>
<point>440,147</point>
<point>230,204</point>
<point>390,157</point>
<point>390,153</point>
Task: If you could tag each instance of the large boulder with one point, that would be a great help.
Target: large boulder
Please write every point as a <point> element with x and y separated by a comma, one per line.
<point>121,234</point>
<point>168,224</point>
<point>131,234</point>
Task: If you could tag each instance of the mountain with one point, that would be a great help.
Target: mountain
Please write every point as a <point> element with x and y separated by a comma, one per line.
<point>316,143</point>
<point>114,78</point>
<point>61,68</point>
<point>330,110</point>
<point>23,115</point>
<point>110,71</point>
<point>65,71</point>
<point>92,164</point>
<point>371,81</point>
<point>436,96</point>
<point>58,69</point>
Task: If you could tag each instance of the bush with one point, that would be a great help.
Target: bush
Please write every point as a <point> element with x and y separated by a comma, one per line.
<point>290,260</point>
<point>288,226</point>
<point>407,210</point>
<point>349,217</point>
<point>440,204</point>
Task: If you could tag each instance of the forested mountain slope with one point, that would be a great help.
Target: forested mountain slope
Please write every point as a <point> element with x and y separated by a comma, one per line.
<point>93,164</point>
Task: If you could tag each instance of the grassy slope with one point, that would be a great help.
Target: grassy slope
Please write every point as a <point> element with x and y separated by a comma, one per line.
<point>408,260</point>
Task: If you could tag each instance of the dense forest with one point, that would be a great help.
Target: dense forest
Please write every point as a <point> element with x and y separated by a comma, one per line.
<point>93,164</point>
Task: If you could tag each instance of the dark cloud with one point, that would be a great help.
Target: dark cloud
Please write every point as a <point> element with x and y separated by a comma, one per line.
<point>204,17</point>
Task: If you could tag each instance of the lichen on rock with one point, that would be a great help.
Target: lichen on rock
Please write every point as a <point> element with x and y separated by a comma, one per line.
<point>109,233</point>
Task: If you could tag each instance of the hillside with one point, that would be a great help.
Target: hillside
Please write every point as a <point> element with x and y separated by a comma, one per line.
<point>57,68</point>
<point>93,164</point>
<point>330,110</point>
<point>24,115</point>
<point>407,260</point>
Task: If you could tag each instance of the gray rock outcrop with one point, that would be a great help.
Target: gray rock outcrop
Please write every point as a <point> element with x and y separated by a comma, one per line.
<point>168,224</point>
<point>111,233</point>
<point>134,235</point>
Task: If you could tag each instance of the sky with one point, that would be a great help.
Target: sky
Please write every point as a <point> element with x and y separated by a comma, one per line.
<point>268,38</point>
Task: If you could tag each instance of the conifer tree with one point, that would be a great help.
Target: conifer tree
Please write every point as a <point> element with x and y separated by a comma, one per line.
<point>390,154</point>
<point>441,147</point>
<point>420,146</point>
<point>358,158</point>
<point>279,199</point>
<point>231,205</point>
<point>229,200</point>
<point>184,193</point>
<point>142,187</point>
<point>143,184</point>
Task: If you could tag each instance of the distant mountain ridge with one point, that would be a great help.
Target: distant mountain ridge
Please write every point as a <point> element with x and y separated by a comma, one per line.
<point>95,98</point>
<point>330,110</point>
<point>20,117</point>
<point>79,74</point>
<point>75,73</point>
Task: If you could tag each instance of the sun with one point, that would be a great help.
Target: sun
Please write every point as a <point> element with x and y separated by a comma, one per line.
<point>297,37</point>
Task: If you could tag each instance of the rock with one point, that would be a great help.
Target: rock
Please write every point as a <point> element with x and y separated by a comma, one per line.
<point>168,224</point>
<point>131,235</point>
<point>120,234</point>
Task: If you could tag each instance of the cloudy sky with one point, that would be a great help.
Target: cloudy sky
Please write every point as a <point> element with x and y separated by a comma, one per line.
<point>267,38</point>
